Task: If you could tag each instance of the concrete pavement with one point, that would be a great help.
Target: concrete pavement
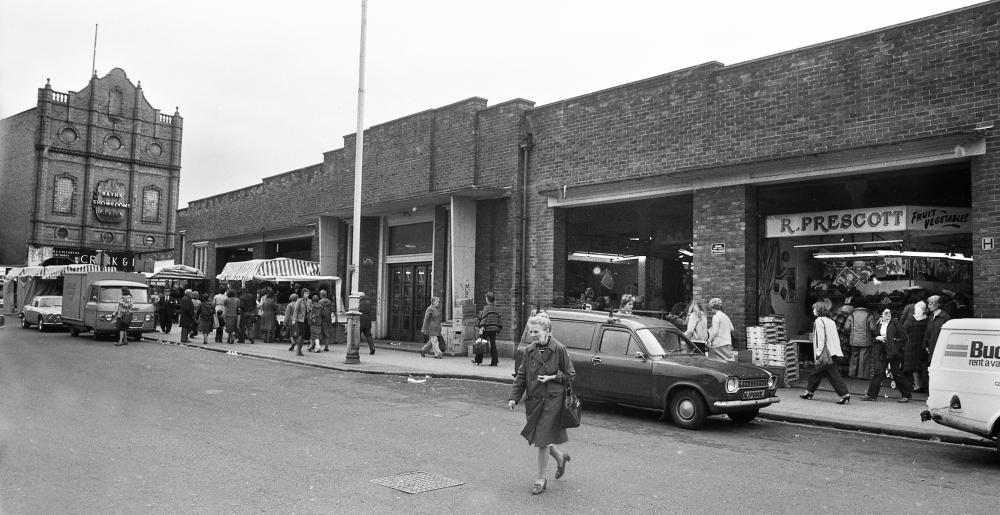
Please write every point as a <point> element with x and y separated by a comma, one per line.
<point>885,416</point>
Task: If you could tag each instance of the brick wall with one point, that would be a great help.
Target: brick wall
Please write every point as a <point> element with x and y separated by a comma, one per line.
<point>986,223</point>
<point>17,185</point>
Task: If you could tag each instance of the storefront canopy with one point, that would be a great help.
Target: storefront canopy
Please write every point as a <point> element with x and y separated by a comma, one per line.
<point>269,270</point>
<point>25,271</point>
<point>50,272</point>
<point>177,272</point>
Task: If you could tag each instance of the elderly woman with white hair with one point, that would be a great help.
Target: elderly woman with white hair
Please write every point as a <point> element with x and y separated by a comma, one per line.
<point>720,334</point>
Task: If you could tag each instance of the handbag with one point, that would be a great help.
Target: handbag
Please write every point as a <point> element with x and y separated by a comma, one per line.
<point>824,357</point>
<point>570,413</point>
<point>125,317</point>
<point>480,346</point>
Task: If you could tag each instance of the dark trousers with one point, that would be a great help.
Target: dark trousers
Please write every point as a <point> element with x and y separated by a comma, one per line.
<point>166,322</point>
<point>221,328</point>
<point>366,335</point>
<point>246,327</point>
<point>895,367</point>
<point>832,373</point>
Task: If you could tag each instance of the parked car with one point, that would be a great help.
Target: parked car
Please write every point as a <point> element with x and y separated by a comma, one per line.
<point>44,311</point>
<point>649,363</point>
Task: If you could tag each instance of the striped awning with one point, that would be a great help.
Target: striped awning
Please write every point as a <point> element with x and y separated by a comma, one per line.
<point>267,269</point>
<point>25,271</point>
<point>178,272</point>
<point>53,271</point>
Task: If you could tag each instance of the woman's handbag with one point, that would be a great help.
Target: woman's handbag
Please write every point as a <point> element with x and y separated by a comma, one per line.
<point>481,346</point>
<point>571,412</point>
<point>824,357</point>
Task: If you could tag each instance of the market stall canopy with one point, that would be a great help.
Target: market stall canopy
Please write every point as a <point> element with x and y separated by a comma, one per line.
<point>177,272</point>
<point>268,269</point>
<point>25,271</point>
<point>53,271</point>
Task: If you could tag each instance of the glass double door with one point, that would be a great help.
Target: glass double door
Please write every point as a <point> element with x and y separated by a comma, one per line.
<point>409,296</point>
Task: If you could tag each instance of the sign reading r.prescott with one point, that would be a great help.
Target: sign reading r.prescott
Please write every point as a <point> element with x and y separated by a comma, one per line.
<point>870,220</point>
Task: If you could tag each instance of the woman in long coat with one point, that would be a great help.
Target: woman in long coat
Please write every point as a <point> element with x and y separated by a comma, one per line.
<point>268,316</point>
<point>432,328</point>
<point>545,371</point>
<point>914,355</point>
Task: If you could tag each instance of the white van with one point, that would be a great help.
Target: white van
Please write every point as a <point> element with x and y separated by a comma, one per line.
<point>965,377</point>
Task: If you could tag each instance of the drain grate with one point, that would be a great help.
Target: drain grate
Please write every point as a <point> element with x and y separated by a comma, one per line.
<point>417,482</point>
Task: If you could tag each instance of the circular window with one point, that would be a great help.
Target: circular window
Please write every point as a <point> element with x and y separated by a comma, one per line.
<point>108,237</point>
<point>113,143</point>
<point>154,149</point>
<point>68,135</point>
<point>62,233</point>
<point>149,241</point>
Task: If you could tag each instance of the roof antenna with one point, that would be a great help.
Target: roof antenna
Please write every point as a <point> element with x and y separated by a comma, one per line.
<point>93,62</point>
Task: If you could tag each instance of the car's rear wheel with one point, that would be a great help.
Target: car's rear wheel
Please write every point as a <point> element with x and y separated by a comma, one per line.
<point>743,417</point>
<point>687,409</point>
<point>40,326</point>
<point>74,332</point>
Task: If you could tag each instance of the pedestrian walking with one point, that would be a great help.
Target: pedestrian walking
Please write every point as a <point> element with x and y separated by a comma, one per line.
<point>196,301</point>
<point>219,302</point>
<point>365,307</point>
<point>936,320</point>
<point>123,316</point>
<point>206,318</point>
<point>432,328</point>
<point>187,316</point>
<point>489,326</point>
<point>300,315</point>
<point>247,315</point>
<point>697,325</point>
<point>268,316</point>
<point>231,312</point>
<point>720,334</point>
<point>826,348</point>
<point>887,352</point>
<point>326,312</point>
<point>290,327</point>
<point>860,329</point>
<point>542,378</point>
<point>165,308</point>
<point>914,355</point>
<point>314,317</point>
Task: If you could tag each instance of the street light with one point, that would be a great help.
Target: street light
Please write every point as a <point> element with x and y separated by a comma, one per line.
<point>354,300</point>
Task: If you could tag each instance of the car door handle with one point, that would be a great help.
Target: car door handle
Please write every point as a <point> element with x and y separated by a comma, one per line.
<point>595,361</point>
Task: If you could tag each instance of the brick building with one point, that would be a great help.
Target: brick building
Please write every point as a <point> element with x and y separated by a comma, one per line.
<point>862,167</point>
<point>89,171</point>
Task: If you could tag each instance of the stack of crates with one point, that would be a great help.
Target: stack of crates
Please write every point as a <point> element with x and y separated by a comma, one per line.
<point>770,349</point>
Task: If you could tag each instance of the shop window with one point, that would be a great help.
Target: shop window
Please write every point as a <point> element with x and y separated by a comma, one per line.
<point>63,193</point>
<point>411,239</point>
<point>151,205</point>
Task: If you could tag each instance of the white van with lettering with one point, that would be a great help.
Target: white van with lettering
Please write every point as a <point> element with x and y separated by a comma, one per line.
<point>965,377</point>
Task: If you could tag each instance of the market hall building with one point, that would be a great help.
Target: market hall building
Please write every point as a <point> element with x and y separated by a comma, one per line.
<point>865,165</point>
<point>89,175</point>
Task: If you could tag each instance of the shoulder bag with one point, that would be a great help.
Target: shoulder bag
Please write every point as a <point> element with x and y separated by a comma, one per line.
<point>570,414</point>
<point>824,357</point>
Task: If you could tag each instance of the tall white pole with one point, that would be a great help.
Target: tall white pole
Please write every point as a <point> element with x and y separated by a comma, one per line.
<point>358,155</point>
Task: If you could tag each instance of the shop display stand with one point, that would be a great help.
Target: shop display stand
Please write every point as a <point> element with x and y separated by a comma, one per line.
<point>770,348</point>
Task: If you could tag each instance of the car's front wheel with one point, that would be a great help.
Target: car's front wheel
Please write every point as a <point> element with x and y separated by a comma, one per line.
<point>687,409</point>
<point>41,327</point>
<point>743,417</point>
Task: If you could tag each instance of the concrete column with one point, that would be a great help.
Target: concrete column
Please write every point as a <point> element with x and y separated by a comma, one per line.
<point>329,244</point>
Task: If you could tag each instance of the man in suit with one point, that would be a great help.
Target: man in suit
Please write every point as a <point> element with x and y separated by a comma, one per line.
<point>937,319</point>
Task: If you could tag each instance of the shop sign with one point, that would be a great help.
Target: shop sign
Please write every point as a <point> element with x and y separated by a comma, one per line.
<point>718,249</point>
<point>123,261</point>
<point>869,220</point>
<point>988,243</point>
<point>110,202</point>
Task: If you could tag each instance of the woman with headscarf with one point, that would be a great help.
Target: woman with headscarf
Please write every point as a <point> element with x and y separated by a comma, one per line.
<point>544,373</point>
<point>432,328</point>
<point>206,318</point>
<point>887,351</point>
<point>914,355</point>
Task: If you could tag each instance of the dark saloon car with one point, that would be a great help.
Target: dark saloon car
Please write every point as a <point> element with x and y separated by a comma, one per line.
<point>649,363</point>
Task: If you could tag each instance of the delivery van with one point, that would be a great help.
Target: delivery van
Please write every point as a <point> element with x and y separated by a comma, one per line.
<point>90,300</point>
<point>965,377</point>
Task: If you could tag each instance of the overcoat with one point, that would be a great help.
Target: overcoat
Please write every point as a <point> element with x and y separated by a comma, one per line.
<point>432,321</point>
<point>187,312</point>
<point>543,404</point>
<point>914,354</point>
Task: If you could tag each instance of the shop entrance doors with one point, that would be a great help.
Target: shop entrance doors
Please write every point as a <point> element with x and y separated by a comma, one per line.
<point>409,295</point>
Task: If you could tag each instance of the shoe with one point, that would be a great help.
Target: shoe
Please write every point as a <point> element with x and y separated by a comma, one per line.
<point>806,396</point>
<point>290,349</point>
<point>120,344</point>
<point>327,349</point>
<point>904,399</point>
<point>300,354</point>
<point>869,398</point>
<point>561,469</point>
<point>844,400</point>
<point>422,354</point>
<point>538,488</point>
<point>438,357</point>
<point>493,364</point>
<point>474,362</point>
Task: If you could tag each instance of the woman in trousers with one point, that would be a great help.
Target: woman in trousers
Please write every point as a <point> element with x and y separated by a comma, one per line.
<point>826,337</point>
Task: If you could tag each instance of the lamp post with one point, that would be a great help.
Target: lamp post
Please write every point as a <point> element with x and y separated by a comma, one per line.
<point>354,300</point>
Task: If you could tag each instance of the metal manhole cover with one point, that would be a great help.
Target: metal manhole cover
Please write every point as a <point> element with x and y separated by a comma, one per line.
<point>417,482</point>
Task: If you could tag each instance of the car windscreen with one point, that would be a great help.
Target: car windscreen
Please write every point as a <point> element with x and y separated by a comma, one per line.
<point>49,303</point>
<point>114,294</point>
<point>659,341</point>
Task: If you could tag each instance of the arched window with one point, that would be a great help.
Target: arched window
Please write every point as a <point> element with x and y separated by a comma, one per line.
<point>116,103</point>
<point>63,193</point>
<point>151,205</point>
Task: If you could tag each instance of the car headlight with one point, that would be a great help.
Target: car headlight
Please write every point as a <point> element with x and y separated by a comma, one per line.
<point>107,318</point>
<point>148,317</point>
<point>772,381</point>
<point>732,384</point>
<point>51,318</point>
